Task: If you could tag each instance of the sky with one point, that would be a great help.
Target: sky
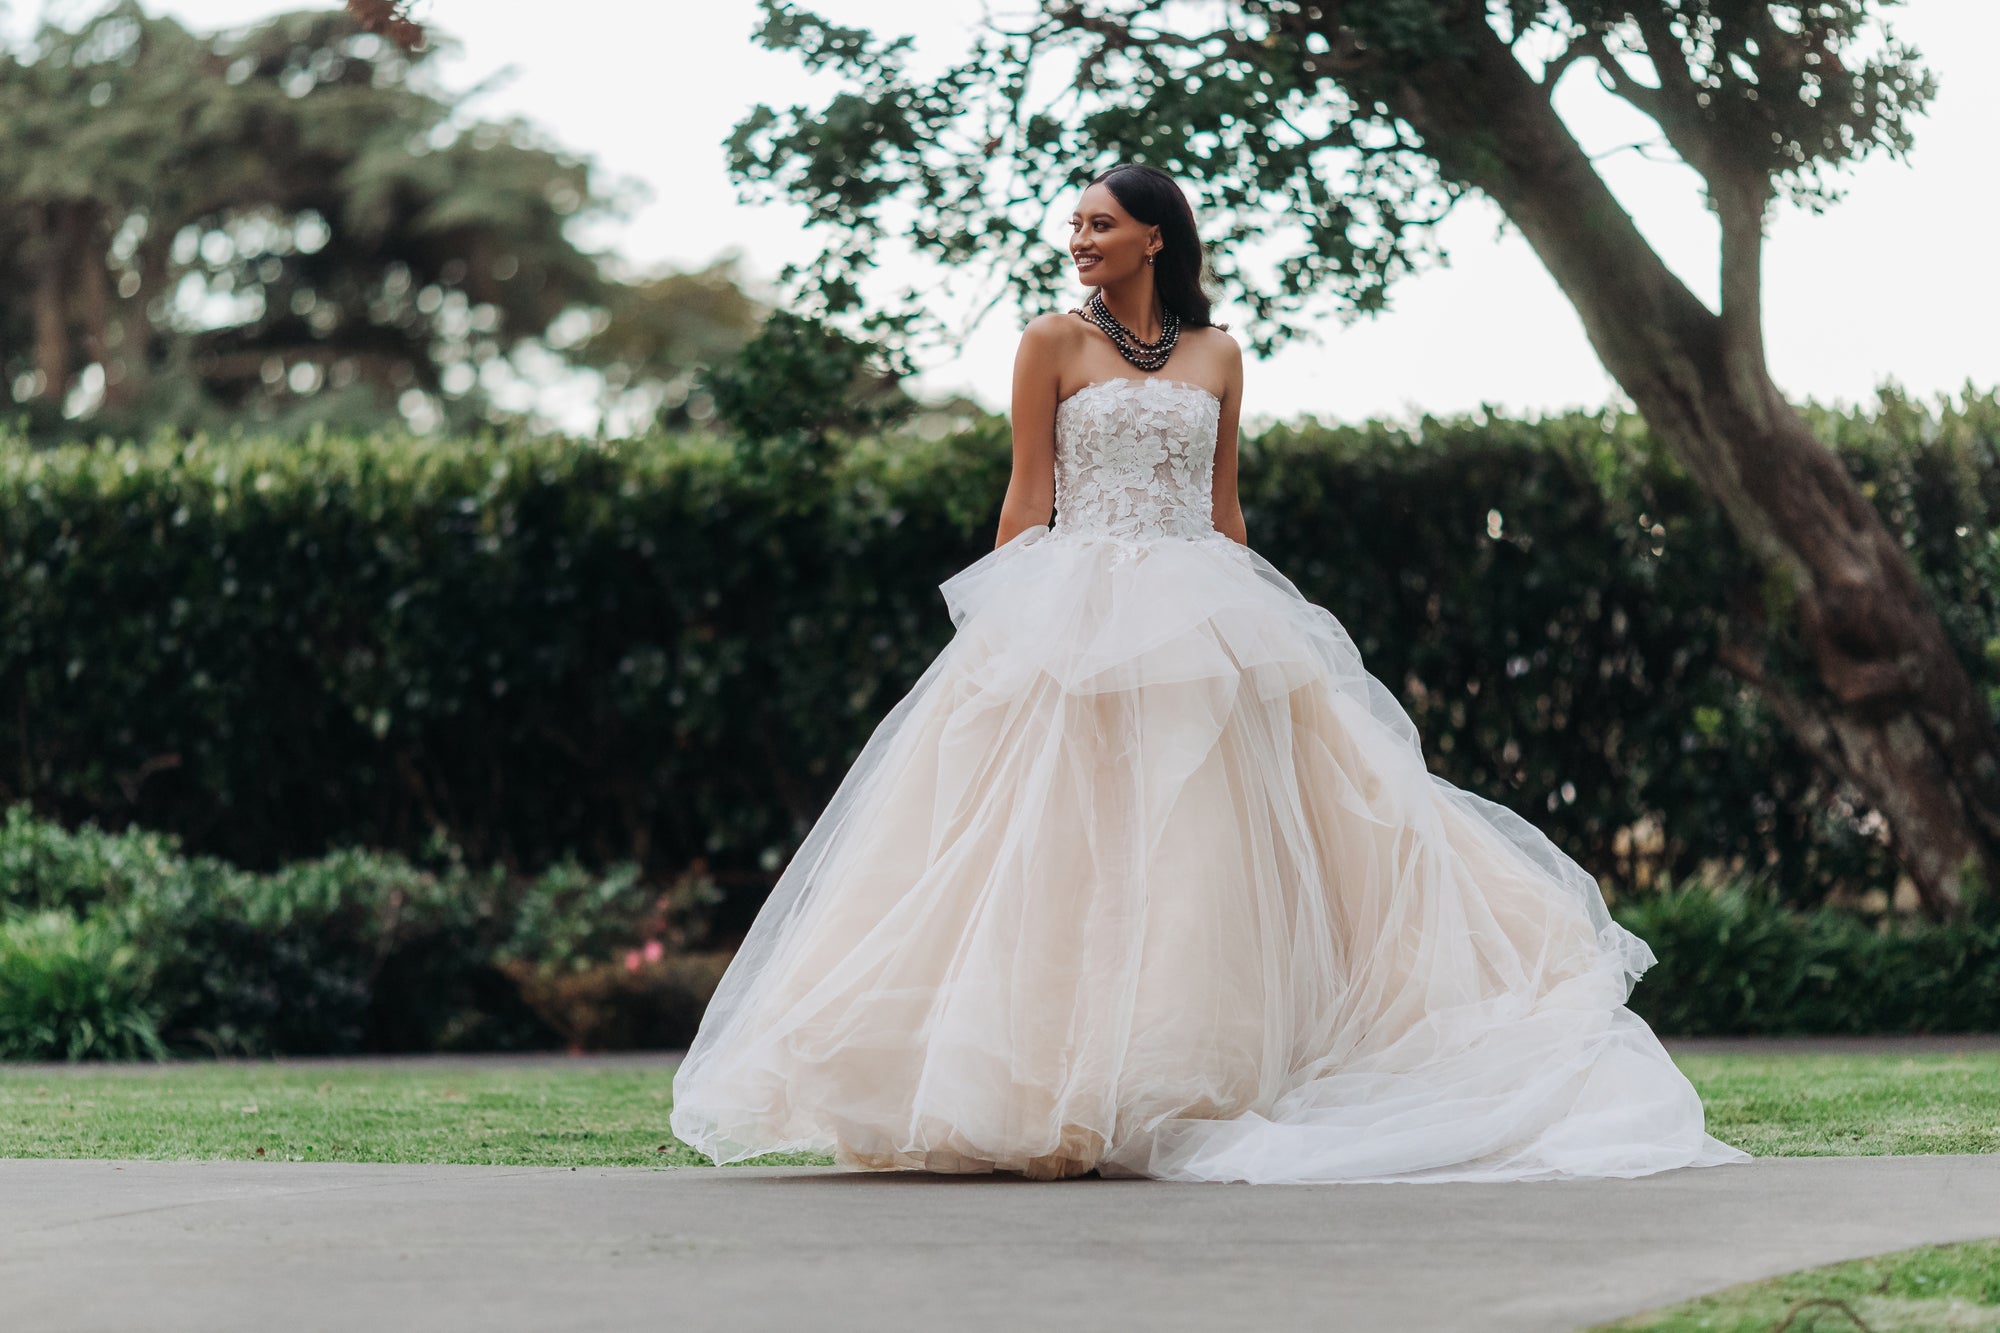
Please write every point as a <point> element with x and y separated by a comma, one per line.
<point>1889,285</point>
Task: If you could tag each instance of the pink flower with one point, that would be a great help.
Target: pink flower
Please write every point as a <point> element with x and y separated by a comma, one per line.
<point>654,950</point>
<point>632,960</point>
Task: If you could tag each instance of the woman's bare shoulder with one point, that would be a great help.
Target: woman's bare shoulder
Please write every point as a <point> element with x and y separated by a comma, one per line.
<point>1217,339</point>
<point>1218,350</point>
<point>1056,328</point>
<point>1048,343</point>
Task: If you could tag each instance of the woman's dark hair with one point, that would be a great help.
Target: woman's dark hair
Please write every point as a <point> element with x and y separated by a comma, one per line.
<point>1155,198</point>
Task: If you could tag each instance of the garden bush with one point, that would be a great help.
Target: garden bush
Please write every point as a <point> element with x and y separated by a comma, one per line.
<point>115,944</point>
<point>72,988</point>
<point>1734,960</point>
<point>358,952</point>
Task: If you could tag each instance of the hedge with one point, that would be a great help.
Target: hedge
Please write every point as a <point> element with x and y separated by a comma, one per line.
<point>651,651</point>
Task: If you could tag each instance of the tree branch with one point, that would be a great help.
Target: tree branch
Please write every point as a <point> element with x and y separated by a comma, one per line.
<point>1648,100</point>
<point>1553,71</point>
<point>1739,207</point>
<point>1693,133</point>
<point>1663,49</point>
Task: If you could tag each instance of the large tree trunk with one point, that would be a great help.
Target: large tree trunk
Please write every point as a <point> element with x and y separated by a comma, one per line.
<point>123,333</point>
<point>117,333</point>
<point>1891,709</point>
<point>50,251</point>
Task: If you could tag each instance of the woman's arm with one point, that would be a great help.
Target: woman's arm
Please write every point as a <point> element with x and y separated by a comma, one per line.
<point>1031,490</point>
<point>1228,511</point>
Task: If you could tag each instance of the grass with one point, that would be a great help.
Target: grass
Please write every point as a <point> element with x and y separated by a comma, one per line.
<point>1796,1105</point>
<point>488,1114</point>
<point>551,1115</point>
<point>1932,1288</point>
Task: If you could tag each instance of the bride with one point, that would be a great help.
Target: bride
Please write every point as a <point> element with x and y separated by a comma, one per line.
<point>1146,874</point>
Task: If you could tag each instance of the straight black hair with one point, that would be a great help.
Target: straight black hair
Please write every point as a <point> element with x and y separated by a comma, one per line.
<point>1155,198</point>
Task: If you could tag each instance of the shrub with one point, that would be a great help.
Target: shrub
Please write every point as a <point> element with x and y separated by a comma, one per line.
<point>72,989</point>
<point>355,952</point>
<point>345,953</point>
<point>1735,960</point>
<point>568,919</point>
<point>350,952</point>
<point>620,1006</point>
<point>46,867</point>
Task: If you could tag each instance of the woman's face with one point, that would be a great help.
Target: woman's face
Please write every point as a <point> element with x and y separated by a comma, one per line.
<point>1105,242</point>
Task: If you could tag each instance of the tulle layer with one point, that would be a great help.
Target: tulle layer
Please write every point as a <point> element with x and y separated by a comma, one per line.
<point>1146,873</point>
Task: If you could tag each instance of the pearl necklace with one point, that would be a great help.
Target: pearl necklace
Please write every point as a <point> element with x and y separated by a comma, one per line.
<point>1144,355</point>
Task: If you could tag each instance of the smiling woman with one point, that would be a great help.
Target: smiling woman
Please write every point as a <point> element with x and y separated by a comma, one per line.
<point>1133,241</point>
<point>1146,875</point>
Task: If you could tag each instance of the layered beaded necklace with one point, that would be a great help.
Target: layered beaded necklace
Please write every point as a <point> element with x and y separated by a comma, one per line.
<point>1146,356</point>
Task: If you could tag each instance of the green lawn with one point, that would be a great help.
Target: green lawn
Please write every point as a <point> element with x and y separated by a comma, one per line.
<point>1929,1289</point>
<point>533,1116</point>
<point>1850,1105</point>
<point>1784,1105</point>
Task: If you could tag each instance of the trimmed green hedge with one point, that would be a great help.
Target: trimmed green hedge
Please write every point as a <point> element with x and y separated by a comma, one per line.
<point>653,651</point>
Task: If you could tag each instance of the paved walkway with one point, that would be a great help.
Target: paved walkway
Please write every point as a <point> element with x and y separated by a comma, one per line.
<point>168,1246</point>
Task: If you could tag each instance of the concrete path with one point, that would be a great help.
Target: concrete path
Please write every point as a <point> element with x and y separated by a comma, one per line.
<point>167,1246</point>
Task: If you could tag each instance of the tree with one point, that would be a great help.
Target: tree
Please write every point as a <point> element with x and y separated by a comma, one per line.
<point>209,227</point>
<point>801,382</point>
<point>1343,131</point>
<point>655,337</point>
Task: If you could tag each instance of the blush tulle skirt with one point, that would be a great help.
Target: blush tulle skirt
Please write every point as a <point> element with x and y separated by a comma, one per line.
<point>1146,874</point>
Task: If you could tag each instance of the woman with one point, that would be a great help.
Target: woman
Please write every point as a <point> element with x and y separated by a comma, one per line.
<point>1146,875</point>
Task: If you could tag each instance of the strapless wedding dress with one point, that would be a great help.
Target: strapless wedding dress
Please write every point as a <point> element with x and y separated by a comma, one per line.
<point>1147,874</point>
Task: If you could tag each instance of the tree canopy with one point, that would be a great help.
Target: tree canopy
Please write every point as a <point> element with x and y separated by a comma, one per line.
<point>294,221</point>
<point>1296,124</point>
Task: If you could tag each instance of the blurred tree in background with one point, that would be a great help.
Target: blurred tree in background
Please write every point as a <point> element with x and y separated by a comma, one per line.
<point>655,337</point>
<point>293,222</point>
<point>801,382</point>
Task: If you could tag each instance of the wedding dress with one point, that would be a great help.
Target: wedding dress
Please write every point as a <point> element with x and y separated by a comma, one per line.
<point>1147,874</point>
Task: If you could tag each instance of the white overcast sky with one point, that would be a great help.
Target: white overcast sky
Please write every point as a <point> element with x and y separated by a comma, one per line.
<point>1891,284</point>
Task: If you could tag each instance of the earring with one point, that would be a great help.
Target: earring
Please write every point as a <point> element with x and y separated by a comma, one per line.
<point>1149,261</point>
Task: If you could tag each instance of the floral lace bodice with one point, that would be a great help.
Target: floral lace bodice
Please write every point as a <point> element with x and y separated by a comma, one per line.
<point>1135,458</point>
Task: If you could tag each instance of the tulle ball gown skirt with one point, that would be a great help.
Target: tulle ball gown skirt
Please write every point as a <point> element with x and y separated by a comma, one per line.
<point>1146,874</point>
